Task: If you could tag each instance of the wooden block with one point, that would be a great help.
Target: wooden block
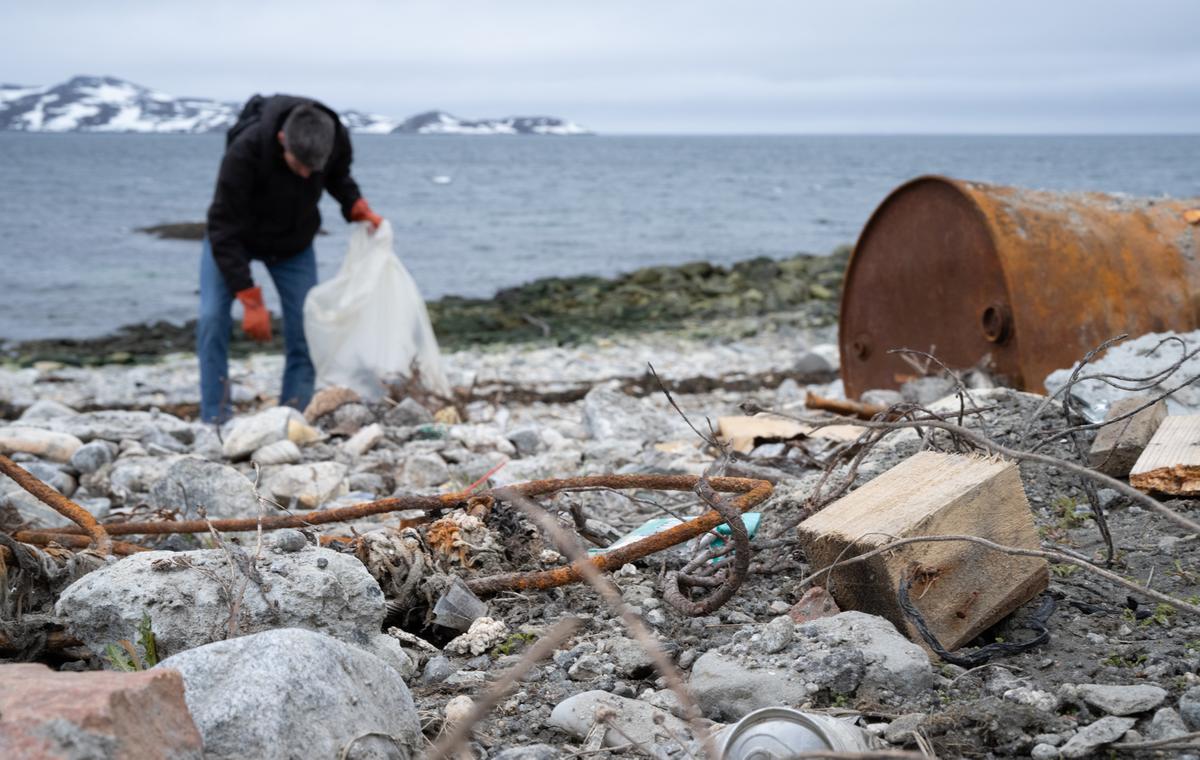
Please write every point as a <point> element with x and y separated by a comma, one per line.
<point>1118,446</point>
<point>961,588</point>
<point>1171,462</point>
<point>742,432</point>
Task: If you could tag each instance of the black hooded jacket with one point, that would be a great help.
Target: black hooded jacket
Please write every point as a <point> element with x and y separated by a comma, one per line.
<point>263,210</point>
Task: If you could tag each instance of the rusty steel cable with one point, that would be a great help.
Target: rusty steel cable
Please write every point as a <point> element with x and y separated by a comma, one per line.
<point>100,540</point>
<point>750,494</point>
<point>733,575</point>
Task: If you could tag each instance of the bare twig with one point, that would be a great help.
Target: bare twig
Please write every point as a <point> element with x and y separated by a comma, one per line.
<point>609,593</point>
<point>448,745</point>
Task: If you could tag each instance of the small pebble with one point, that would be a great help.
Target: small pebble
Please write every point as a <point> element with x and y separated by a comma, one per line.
<point>322,562</point>
<point>289,541</point>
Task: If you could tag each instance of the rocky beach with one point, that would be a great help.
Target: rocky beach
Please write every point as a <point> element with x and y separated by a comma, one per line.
<point>356,618</point>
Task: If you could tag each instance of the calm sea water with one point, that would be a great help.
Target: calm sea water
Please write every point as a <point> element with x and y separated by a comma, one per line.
<point>514,209</point>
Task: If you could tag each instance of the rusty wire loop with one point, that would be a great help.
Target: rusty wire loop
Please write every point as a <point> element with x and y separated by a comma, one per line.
<point>732,574</point>
<point>750,494</point>
<point>61,504</point>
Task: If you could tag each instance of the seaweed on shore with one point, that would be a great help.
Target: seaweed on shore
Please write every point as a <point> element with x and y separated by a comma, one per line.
<point>559,310</point>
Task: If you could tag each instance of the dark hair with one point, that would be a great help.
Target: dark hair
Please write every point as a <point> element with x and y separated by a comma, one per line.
<point>308,135</point>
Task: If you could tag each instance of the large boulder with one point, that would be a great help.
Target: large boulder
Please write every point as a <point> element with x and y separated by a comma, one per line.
<point>198,597</point>
<point>294,693</point>
<point>44,714</point>
<point>851,653</point>
<point>193,483</point>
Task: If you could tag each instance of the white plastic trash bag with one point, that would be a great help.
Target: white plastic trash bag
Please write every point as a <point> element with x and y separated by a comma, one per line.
<point>369,321</point>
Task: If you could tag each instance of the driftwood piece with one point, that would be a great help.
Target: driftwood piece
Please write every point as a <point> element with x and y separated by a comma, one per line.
<point>961,589</point>
<point>1119,444</point>
<point>1171,462</point>
<point>742,433</point>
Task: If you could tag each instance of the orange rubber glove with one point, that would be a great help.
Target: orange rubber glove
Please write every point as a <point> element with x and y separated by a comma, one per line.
<point>256,320</point>
<point>361,212</point>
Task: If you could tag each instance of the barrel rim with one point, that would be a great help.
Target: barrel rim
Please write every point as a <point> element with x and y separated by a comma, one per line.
<point>962,187</point>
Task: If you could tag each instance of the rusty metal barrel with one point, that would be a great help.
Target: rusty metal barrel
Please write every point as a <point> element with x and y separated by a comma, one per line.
<point>1028,281</point>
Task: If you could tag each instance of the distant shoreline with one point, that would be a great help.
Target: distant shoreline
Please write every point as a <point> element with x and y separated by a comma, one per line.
<point>555,309</point>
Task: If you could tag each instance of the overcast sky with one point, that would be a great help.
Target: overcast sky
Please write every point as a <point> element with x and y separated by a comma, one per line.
<point>654,66</point>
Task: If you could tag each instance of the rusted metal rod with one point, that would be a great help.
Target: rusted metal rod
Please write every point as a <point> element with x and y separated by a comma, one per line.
<point>751,493</point>
<point>61,504</point>
<point>352,512</point>
<point>72,540</point>
<point>843,407</point>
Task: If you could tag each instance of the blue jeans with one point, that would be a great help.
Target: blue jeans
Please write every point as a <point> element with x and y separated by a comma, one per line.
<point>293,279</point>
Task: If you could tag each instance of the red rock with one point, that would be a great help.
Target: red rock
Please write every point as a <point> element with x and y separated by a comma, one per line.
<point>70,716</point>
<point>816,603</point>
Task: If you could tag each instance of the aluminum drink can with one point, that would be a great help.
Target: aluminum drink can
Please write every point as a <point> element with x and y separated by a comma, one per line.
<point>778,733</point>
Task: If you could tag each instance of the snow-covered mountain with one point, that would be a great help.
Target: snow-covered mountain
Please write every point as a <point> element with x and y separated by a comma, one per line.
<point>108,104</point>
<point>442,123</point>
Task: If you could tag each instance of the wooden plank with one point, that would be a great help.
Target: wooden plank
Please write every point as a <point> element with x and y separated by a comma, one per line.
<point>741,432</point>
<point>961,588</point>
<point>1171,462</point>
<point>1118,445</point>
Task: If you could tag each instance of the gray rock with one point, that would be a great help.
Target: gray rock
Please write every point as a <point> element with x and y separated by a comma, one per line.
<point>1122,700</point>
<point>777,634</point>
<point>611,414</point>
<point>92,456</point>
<point>882,397</point>
<point>188,597</point>
<point>629,658</point>
<point>528,440</point>
<point>902,730</point>
<point>134,475</point>
<point>926,390</point>
<point>49,474</point>
<point>348,419</point>
<point>643,723</point>
<point>1189,708</point>
<point>368,482</point>
<point>191,484</point>
<point>47,444</point>
<point>249,434</point>
<point>45,409</point>
<point>17,507</point>
<point>288,541</point>
<point>408,413</point>
<point>1045,752</point>
<point>307,486</point>
<point>809,363</point>
<point>125,425</point>
<point>848,653</point>
<point>259,696</point>
<point>425,470</point>
<point>1042,701</point>
<point>588,667</point>
<point>1166,724</point>
<point>1095,735</point>
<point>279,452</point>
<point>364,440</point>
<point>437,669</point>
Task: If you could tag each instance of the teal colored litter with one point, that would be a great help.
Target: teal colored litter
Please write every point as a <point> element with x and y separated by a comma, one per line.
<point>659,524</point>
